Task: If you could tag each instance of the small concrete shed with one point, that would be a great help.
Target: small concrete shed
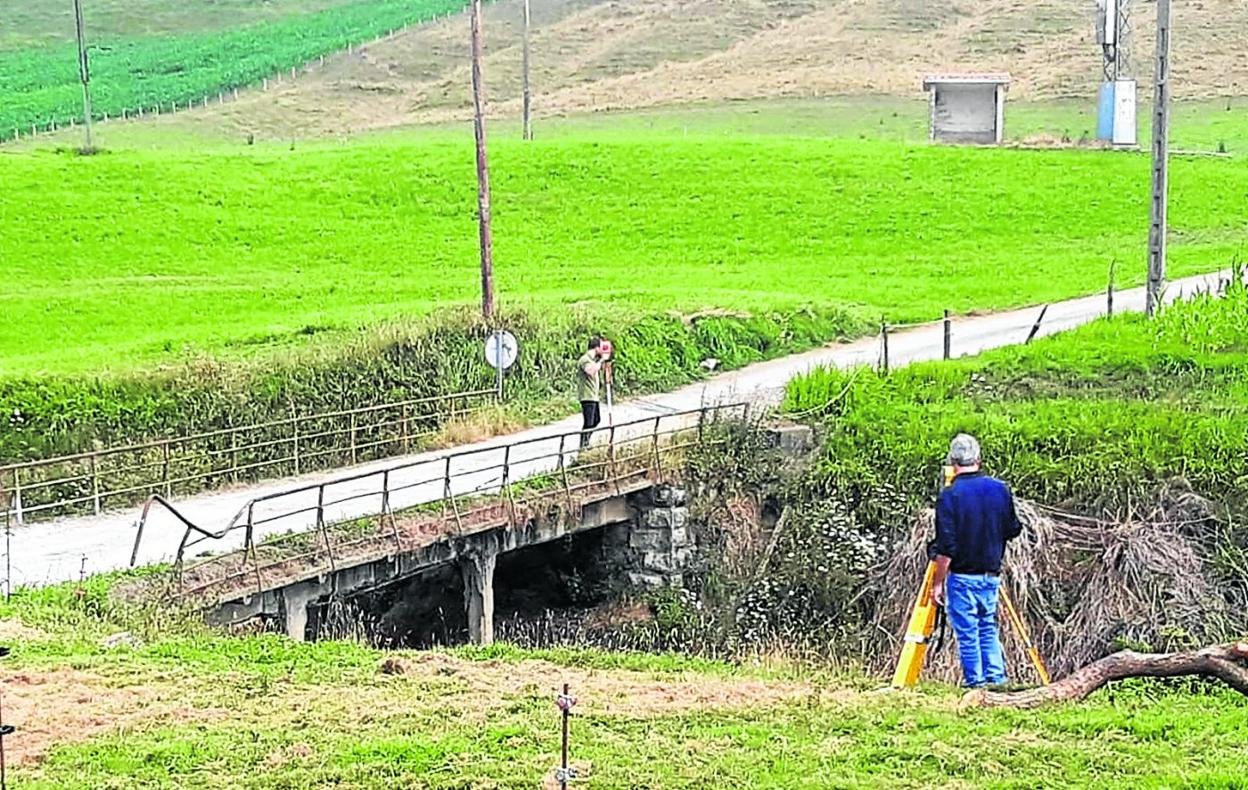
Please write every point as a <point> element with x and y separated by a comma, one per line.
<point>967,108</point>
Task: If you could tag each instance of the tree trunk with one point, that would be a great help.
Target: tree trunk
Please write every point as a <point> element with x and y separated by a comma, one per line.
<point>1228,663</point>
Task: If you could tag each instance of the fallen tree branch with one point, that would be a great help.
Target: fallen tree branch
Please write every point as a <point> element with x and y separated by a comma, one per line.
<point>1228,663</point>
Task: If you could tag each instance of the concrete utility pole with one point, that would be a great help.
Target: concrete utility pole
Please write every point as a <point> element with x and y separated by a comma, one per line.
<point>84,71</point>
<point>1161,165</point>
<point>483,170</point>
<point>528,97</point>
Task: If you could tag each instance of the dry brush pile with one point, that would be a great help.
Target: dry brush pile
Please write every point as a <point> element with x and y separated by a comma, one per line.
<point>1156,580</point>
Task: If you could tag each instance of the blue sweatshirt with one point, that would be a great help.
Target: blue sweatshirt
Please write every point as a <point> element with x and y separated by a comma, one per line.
<point>974,519</point>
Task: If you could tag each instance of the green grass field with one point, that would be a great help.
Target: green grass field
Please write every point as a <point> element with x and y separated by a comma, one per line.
<point>39,85</point>
<point>32,23</point>
<point>132,258</point>
<point>189,709</point>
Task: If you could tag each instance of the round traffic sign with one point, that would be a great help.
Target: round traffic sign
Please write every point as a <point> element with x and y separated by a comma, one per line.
<point>501,349</point>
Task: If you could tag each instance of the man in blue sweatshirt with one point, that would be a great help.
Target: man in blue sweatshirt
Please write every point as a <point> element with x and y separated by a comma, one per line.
<point>975,518</point>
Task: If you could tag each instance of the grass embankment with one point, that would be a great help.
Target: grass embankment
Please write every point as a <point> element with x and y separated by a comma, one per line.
<point>199,710</point>
<point>39,85</point>
<point>1097,418</point>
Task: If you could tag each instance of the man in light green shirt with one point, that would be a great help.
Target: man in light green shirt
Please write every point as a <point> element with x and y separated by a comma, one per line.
<point>589,388</point>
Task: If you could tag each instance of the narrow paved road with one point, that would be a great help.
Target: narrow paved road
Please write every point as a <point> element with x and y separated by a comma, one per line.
<point>55,551</point>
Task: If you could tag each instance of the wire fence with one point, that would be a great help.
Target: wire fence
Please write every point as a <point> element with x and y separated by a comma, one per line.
<point>94,481</point>
<point>315,529</point>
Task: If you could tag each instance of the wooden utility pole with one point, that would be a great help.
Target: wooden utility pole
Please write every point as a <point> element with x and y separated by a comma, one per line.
<point>528,97</point>
<point>483,170</point>
<point>1161,155</point>
<point>84,71</point>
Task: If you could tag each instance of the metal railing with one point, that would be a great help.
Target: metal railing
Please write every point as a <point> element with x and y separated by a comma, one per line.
<point>90,482</point>
<point>317,528</point>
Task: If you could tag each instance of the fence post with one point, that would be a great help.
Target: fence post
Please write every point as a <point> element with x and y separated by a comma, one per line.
<point>1036,327</point>
<point>563,469</point>
<point>353,448</point>
<point>164,448</point>
<point>658,463</point>
<point>611,459</point>
<point>323,527</point>
<point>1109,290</point>
<point>18,514</point>
<point>95,484</point>
<point>233,454</point>
<point>385,510</point>
<point>249,540</point>
<point>450,494</point>
<point>406,431</point>
<point>249,532</point>
<point>294,426</point>
<point>511,502</point>
<point>884,341</point>
<point>948,337</point>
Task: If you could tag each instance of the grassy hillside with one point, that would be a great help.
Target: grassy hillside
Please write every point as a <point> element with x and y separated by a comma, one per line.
<point>190,709</point>
<point>39,86</point>
<point>230,252</point>
<point>594,56</point>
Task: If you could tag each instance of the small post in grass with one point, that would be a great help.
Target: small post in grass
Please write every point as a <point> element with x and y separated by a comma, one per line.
<point>5,729</point>
<point>564,774</point>
<point>884,342</point>
<point>948,337</point>
<point>1036,327</point>
<point>1109,289</point>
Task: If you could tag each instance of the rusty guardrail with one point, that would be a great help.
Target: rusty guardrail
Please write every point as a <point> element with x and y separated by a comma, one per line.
<point>88,482</point>
<point>463,491</point>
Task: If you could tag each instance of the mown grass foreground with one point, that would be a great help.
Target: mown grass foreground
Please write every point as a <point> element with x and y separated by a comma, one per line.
<point>128,259</point>
<point>194,710</point>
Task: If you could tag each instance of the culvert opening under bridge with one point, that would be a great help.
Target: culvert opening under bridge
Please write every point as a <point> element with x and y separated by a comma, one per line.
<point>543,594</point>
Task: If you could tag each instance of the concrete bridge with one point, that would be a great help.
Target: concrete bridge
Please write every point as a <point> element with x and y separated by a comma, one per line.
<point>628,489</point>
<point>647,535</point>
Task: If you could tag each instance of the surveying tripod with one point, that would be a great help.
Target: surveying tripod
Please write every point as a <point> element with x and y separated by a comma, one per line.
<point>927,615</point>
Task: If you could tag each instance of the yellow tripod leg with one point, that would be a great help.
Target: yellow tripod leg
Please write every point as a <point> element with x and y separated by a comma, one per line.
<point>918,632</point>
<point>1025,635</point>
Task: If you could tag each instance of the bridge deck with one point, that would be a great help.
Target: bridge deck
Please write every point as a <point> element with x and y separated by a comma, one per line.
<point>405,541</point>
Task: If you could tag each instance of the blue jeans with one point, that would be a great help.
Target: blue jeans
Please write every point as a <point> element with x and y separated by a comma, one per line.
<point>971,604</point>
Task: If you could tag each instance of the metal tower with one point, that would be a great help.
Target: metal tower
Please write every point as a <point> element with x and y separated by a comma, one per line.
<point>1117,100</point>
<point>1113,33</point>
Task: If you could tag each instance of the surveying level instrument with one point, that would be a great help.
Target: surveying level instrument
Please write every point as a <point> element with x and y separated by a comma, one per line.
<point>928,618</point>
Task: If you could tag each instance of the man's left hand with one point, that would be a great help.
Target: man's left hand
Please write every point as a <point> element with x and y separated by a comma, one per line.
<point>938,594</point>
